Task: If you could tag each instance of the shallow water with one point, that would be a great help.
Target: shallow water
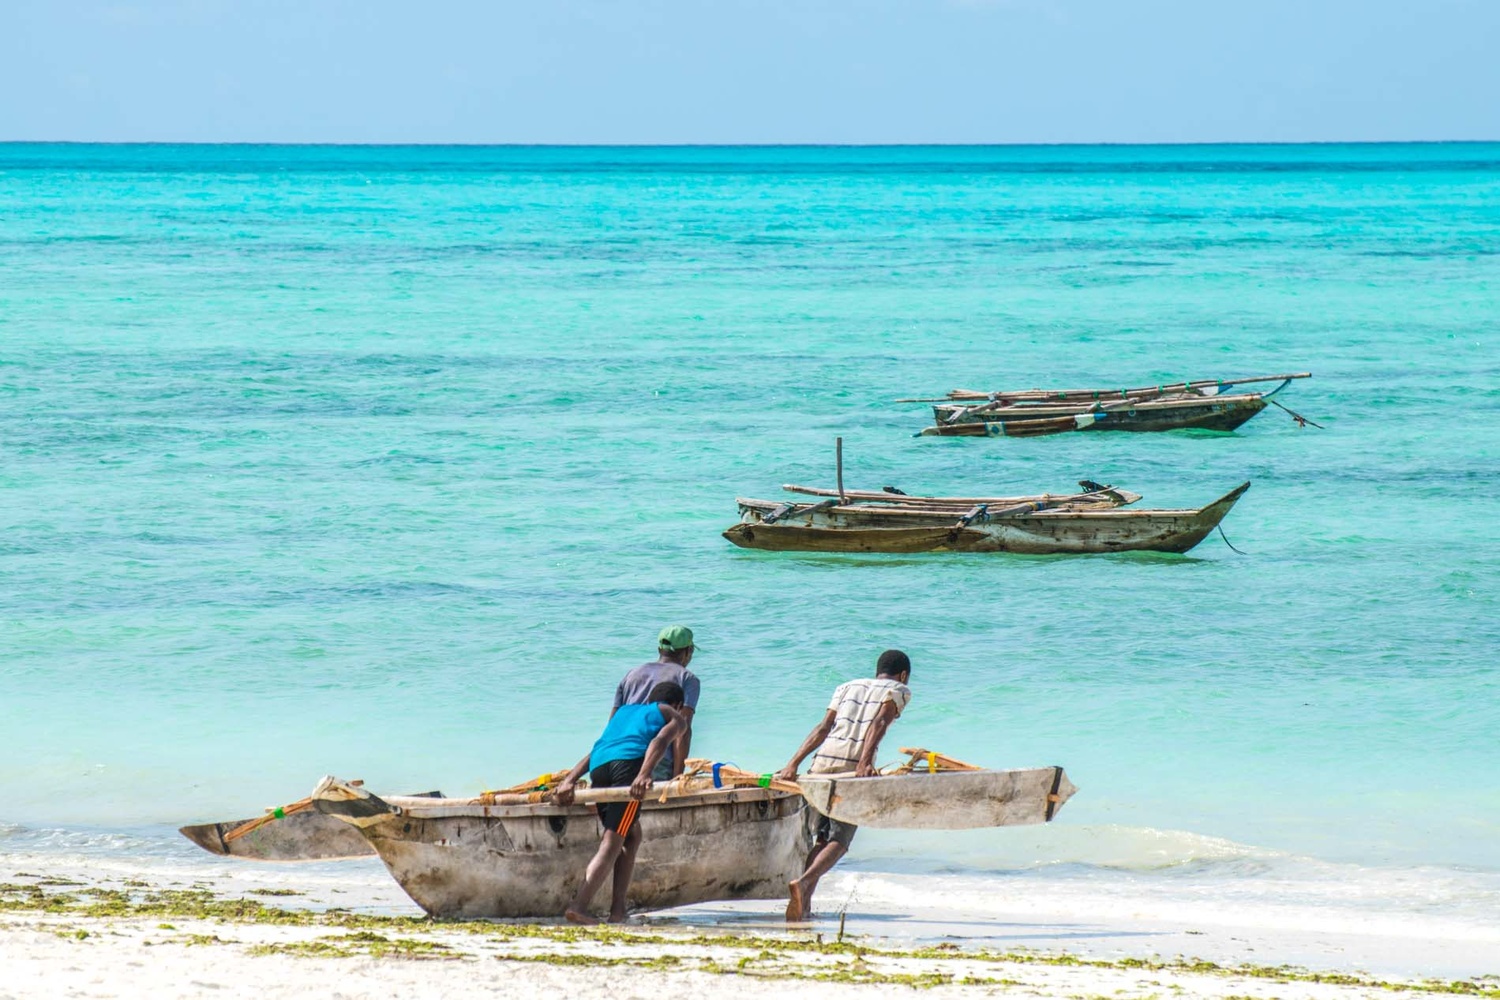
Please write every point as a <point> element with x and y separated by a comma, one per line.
<point>388,462</point>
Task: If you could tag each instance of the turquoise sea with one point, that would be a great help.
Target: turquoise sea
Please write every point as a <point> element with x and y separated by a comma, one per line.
<point>387,462</point>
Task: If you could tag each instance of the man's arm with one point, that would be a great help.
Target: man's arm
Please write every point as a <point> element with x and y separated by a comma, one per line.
<point>814,739</point>
<point>667,736</point>
<point>683,743</point>
<point>883,719</point>
<point>563,793</point>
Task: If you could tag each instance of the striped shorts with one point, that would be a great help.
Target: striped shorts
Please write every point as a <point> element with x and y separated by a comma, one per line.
<point>616,816</point>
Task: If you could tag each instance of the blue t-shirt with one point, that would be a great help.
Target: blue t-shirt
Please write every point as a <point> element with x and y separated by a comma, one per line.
<point>636,689</point>
<point>630,731</point>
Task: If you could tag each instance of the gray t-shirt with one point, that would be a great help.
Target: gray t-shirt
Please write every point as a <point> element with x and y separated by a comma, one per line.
<point>635,689</point>
<point>637,685</point>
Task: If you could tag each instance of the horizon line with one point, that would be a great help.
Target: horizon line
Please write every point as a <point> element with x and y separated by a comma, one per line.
<point>743,145</point>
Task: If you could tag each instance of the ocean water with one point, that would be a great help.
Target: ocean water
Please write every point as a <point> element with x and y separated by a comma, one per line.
<point>387,462</point>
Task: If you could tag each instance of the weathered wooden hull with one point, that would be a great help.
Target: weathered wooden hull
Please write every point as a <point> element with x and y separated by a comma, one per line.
<point>1199,413</point>
<point>461,859</point>
<point>1040,533</point>
<point>947,800</point>
<point>303,836</point>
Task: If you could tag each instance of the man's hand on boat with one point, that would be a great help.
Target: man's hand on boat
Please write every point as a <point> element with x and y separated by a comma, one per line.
<point>788,773</point>
<point>563,793</point>
<point>641,785</point>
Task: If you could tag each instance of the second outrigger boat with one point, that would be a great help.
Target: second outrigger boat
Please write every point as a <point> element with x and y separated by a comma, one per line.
<point>1211,405</point>
<point>1095,522</point>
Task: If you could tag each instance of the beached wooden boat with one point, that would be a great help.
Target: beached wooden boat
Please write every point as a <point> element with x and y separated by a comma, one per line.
<point>714,833</point>
<point>832,526</point>
<point>1205,405</point>
<point>946,800</point>
<point>522,856</point>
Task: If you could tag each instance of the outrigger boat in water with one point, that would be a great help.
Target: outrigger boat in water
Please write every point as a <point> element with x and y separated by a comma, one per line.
<point>1205,405</point>
<point>863,521</point>
<point>715,833</point>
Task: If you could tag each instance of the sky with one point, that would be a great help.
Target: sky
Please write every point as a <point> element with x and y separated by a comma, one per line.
<point>750,71</point>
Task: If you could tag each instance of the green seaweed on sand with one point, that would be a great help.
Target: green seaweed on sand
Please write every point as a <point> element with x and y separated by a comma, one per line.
<point>360,943</point>
<point>768,956</point>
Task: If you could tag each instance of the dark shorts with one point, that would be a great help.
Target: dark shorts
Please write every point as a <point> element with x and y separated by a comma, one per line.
<point>838,832</point>
<point>616,816</point>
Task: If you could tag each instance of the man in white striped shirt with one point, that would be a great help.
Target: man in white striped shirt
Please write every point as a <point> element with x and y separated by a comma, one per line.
<point>846,740</point>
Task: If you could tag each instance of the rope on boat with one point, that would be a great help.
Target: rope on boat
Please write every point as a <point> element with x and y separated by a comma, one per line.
<point>271,816</point>
<point>932,762</point>
<point>1227,541</point>
<point>1301,420</point>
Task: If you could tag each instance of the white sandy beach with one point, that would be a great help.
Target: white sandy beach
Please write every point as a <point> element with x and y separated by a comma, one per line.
<point>377,950</point>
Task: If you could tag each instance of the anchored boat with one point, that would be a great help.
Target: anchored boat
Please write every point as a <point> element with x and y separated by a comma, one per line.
<point>968,524</point>
<point>1205,405</point>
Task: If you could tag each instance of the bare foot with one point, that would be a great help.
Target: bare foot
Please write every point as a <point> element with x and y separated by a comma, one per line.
<point>796,913</point>
<point>617,918</point>
<point>579,918</point>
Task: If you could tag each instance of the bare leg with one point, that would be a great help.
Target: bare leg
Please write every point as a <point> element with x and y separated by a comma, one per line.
<point>822,859</point>
<point>593,878</point>
<point>624,866</point>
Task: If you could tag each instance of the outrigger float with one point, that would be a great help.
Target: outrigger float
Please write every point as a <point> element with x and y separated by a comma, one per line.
<point>715,833</point>
<point>865,521</point>
<point>1210,405</point>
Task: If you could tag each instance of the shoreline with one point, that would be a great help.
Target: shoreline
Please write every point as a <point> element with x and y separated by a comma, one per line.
<point>125,936</point>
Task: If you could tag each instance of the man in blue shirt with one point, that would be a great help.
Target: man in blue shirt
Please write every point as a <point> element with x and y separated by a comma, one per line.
<point>634,741</point>
<point>675,649</point>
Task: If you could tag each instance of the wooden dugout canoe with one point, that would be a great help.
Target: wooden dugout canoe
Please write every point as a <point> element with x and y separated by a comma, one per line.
<point>856,528</point>
<point>947,800</point>
<point>466,858</point>
<point>1212,413</point>
<point>1204,405</point>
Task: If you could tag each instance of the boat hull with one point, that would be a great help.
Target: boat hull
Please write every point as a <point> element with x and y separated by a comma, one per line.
<point>1207,414</point>
<point>946,800</point>
<point>1041,533</point>
<point>303,836</point>
<point>474,861</point>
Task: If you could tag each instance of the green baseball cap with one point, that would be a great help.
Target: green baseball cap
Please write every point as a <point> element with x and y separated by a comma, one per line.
<point>675,637</point>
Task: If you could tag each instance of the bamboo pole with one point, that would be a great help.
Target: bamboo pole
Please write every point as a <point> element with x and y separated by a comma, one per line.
<point>965,502</point>
<point>271,816</point>
<point>921,758</point>
<point>976,395</point>
<point>838,448</point>
<point>539,783</point>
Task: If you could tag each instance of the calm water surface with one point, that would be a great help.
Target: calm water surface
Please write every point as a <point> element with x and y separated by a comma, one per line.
<point>387,462</point>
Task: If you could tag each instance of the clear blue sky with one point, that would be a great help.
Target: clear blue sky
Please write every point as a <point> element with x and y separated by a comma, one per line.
<point>720,71</point>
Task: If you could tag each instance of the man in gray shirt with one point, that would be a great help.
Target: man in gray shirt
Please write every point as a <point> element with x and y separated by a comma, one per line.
<point>674,652</point>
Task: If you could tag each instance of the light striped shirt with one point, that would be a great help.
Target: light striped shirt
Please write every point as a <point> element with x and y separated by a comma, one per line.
<point>855,706</point>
